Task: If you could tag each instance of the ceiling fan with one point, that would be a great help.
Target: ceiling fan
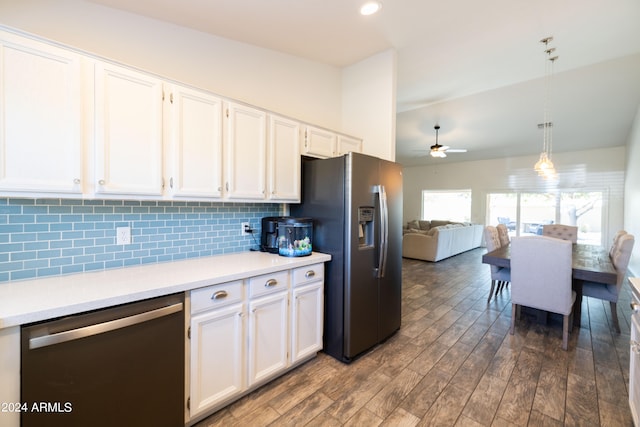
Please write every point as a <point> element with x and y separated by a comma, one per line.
<point>438,150</point>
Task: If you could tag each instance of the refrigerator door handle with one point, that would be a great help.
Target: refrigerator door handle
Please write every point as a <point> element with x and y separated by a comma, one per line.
<point>384,230</point>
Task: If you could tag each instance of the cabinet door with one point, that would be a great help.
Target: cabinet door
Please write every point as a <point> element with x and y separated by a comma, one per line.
<point>307,321</point>
<point>284,159</point>
<point>268,336</point>
<point>634,366</point>
<point>40,117</point>
<point>319,142</point>
<point>217,357</point>
<point>128,110</point>
<point>246,149</point>
<point>196,143</point>
<point>347,144</point>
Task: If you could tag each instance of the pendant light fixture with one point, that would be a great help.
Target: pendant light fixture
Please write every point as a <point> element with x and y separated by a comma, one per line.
<point>436,150</point>
<point>544,166</point>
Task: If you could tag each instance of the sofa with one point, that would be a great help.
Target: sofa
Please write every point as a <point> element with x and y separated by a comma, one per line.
<point>437,239</point>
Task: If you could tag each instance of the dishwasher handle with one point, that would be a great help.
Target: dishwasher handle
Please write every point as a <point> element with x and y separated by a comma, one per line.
<point>87,331</point>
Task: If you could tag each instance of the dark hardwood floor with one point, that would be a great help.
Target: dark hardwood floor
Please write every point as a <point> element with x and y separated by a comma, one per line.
<point>453,362</point>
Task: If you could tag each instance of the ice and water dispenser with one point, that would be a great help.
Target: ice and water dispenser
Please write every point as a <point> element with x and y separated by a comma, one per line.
<point>365,226</point>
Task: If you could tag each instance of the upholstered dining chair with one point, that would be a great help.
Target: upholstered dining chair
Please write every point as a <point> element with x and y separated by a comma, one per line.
<point>620,259</point>
<point>560,231</point>
<point>499,275</point>
<point>503,234</point>
<point>616,239</point>
<point>541,278</point>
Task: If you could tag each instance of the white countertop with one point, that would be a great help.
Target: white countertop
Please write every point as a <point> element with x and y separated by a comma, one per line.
<point>40,299</point>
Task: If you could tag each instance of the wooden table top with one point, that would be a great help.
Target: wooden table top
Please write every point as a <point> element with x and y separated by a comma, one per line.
<point>590,262</point>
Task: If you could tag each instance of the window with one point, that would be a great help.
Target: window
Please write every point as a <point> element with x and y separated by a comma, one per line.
<point>583,209</point>
<point>447,205</point>
<point>525,213</point>
<point>536,210</point>
<point>503,209</point>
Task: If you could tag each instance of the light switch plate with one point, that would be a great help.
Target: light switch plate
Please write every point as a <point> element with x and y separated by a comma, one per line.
<point>123,235</point>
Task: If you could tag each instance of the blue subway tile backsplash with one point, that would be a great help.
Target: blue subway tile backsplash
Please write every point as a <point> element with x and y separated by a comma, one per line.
<point>48,237</point>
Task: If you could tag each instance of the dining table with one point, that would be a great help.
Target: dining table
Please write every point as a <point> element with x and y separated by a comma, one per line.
<point>590,263</point>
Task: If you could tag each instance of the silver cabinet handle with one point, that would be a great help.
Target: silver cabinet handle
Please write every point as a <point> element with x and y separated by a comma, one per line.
<point>309,273</point>
<point>635,346</point>
<point>219,295</point>
<point>76,181</point>
<point>101,182</point>
<point>112,325</point>
<point>635,307</point>
<point>270,283</point>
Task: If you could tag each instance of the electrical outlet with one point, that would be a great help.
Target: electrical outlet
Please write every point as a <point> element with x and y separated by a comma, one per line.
<point>123,235</point>
<point>244,226</point>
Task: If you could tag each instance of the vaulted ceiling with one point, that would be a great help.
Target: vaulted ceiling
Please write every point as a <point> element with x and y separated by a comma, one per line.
<point>475,68</point>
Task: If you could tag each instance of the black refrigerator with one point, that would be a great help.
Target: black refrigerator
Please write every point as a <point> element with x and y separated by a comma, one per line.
<point>356,205</point>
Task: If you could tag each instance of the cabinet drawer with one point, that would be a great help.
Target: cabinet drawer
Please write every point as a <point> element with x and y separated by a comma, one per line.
<point>215,296</point>
<point>268,283</point>
<point>307,274</point>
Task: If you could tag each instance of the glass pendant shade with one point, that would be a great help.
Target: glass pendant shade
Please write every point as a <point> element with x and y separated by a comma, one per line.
<point>544,166</point>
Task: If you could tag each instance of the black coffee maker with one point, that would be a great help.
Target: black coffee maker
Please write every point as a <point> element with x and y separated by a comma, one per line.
<point>269,235</point>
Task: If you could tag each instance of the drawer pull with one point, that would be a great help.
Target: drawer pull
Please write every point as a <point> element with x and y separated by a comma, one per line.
<point>309,274</point>
<point>635,307</point>
<point>635,347</point>
<point>270,283</point>
<point>219,295</point>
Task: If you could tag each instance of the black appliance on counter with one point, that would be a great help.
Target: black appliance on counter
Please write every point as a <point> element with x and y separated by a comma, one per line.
<point>269,234</point>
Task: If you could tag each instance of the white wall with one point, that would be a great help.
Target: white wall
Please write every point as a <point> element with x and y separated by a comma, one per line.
<point>632,194</point>
<point>369,103</point>
<point>296,87</point>
<point>592,169</point>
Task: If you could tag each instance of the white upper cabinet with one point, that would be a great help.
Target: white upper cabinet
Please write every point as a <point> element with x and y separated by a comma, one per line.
<point>73,125</point>
<point>128,132</point>
<point>319,142</point>
<point>246,152</point>
<point>348,144</point>
<point>41,117</point>
<point>284,159</point>
<point>195,148</point>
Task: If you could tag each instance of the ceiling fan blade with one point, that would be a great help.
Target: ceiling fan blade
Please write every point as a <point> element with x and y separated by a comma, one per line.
<point>443,148</point>
<point>457,150</point>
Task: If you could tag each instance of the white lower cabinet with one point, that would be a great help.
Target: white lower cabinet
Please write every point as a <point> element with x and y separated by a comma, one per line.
<point>307,312</point>
<point>634,354</point>
<point>268,329</point>
<point>306,333</point>
<point>247,332</point>
<point>219,373</point>
<point>217,346</point>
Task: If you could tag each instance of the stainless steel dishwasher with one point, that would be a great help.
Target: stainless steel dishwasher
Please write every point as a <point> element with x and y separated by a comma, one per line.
<point>120,366</point>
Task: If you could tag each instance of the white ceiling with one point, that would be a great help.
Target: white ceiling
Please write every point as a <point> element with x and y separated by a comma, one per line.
<point>473,67</point>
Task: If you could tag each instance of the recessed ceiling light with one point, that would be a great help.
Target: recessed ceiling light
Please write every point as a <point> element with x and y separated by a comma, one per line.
<point>370,7</point>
